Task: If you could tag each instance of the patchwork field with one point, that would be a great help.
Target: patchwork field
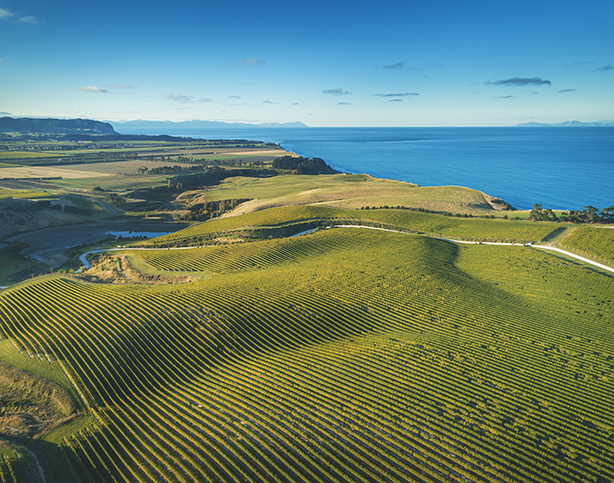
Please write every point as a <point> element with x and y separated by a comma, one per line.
<point>371,348</point>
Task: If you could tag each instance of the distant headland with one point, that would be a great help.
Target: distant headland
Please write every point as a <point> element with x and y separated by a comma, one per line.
<point>55,126</point>
<point>125,126</point>
<point>568,124</point>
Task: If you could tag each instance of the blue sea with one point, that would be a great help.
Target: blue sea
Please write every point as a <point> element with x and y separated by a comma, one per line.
<point>558,167</point>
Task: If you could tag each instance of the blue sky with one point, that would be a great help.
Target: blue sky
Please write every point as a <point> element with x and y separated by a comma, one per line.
<point>325,63</point>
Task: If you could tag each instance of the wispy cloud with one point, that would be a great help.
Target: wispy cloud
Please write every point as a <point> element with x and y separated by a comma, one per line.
<point>6,14</point>
<point>398,65</point>
<point>234,97</point>
<point>520,82</point>
<point>91,89</point>
<point>124,86</point>
<point>345,104</point>
<point>395,100</point>
<point>504,97</point>
<point>252,61</point>
<point>295,104</point>
<point>28,19</point>
<point>186,99</point>
<point>400,94</point>
<point>585,62</point>
<point>605,68</point>
<point>566,90</point>
<point>269,102</point>
<point>336,92</point>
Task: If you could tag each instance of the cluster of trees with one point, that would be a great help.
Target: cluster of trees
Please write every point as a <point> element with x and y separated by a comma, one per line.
<point>301,165</point>
<point>168,169</point>
<point>589,214</point>
<point>213,175</point>
<point>114,199</point>
<point>212,209</point>
<point>67,208</point>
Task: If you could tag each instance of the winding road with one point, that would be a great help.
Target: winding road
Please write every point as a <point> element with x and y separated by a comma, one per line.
<point>87,263</point>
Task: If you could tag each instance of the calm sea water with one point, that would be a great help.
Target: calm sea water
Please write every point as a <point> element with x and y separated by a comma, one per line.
<point>562,168</point>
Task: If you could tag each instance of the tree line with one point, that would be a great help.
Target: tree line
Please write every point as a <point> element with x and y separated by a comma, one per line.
<point>589,214</point>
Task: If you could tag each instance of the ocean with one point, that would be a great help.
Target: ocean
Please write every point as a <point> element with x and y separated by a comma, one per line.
<point>559,168</point>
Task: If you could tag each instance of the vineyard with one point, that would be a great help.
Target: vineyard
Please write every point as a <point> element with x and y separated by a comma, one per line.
<point>598,242</point>
<point>475,229</point>
<point>343,355</point>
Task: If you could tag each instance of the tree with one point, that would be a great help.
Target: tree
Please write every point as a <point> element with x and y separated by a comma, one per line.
<point>591,214</point>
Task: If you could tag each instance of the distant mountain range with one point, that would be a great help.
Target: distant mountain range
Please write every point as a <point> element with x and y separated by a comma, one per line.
<point>126,126</point>
<point>568,124</point>
<point>55,126</point>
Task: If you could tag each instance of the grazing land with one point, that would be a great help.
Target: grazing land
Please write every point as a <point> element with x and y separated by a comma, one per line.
<point>233,350</point>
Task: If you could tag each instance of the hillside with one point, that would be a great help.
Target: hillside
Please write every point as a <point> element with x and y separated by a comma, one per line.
<point>345,354</point>
<point>55,126</point>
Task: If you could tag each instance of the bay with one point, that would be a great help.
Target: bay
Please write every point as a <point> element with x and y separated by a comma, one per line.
<point>560,168</point>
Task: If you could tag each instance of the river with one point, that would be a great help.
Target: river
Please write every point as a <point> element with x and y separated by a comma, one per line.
<point>49,244</point>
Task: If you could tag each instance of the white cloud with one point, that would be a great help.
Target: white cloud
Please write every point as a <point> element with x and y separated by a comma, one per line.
<point>182,98</point>
<point>27,19</point>
<point>6,14</point>
<point>336,92</point>
<point>252,61</point>
<point>124,86</point>
<point>90,89</point>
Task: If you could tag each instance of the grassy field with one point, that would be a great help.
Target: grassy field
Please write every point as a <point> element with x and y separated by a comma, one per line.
<point>347,353</point>
<point>7,194</point>
<point>28,154</point>
<point>347,191</point>
<point>48,172</point>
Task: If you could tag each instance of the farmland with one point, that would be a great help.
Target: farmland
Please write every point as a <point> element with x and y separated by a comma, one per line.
<point>598,242</point>
<point>415,354</point>
<point>233,351</point>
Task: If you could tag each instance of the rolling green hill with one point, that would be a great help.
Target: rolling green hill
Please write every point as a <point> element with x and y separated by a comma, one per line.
<point>344,355</point>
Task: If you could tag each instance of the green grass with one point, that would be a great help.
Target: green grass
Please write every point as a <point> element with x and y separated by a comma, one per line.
<point>28,154</point>
<point>111,183</point>
<point>473,229</point>
<point>85,203</point>
<point>7,194</point>
<point>598,242</point>
<point>42,368</point>
<point>347,191</point>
